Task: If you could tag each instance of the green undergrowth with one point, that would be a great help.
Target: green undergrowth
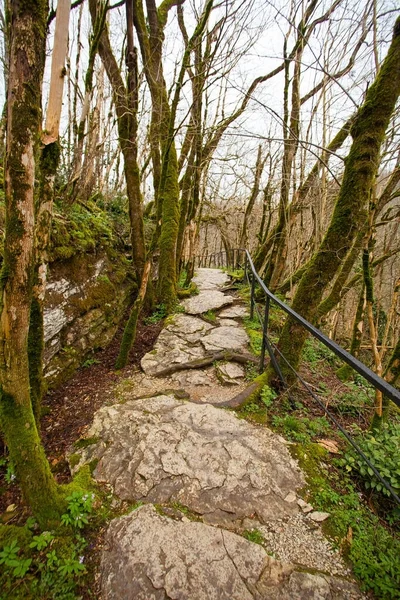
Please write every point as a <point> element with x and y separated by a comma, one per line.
<point>158,314</point>
<point>258,410</point>
<point>41,565</point>
<point>47,564</point>
<point>382,448</point>
<point>236,275</point>
<point>371,545</point>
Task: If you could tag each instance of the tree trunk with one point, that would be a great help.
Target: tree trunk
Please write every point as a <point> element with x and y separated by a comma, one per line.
<point>129,336</point>
<point>126,106</point>
<point>49,161</point>
<point>350,213</point>
<point>27,53</point>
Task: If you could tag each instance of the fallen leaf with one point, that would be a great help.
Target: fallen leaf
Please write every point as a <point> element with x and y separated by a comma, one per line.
<point>329,445</point>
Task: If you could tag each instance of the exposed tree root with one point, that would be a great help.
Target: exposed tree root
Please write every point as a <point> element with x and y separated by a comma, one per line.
<point>208,360</point>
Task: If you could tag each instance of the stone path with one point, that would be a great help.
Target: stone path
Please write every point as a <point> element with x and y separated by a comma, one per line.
<point>199,478</point>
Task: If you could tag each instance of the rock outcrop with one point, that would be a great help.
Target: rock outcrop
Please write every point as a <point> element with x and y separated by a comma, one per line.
<point>82,310</point>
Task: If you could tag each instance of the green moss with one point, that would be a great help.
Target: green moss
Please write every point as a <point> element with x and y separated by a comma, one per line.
<point>8,533</point>
<point>35,356</point>
<point>81,229</point>
<point>82,482</point>
<point>344,373</point>
<point>93,464</point>
<point>101,295</point>
<point>28,458</point>
<point>210,316</point>
<point>74,460</point>
<point>85,442</point>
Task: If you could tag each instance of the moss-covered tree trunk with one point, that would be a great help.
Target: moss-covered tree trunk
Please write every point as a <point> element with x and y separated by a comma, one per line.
<point>151,39</point>
<point>27,26</point>
<point>350,212</point>
<point>126,106</point>
<point>345,371</point>
<point>48,165</point>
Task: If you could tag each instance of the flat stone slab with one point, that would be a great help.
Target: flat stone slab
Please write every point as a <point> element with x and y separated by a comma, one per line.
<point>234,312</point>
<point>192,377</point>
<point>166,450</point>
<point>178,343</point>
<point>225,338</point>
<point>207,300</point>
<point>230,372</point>
<point>210,279</point>
<point>148,556</point>
<point>227,323</point>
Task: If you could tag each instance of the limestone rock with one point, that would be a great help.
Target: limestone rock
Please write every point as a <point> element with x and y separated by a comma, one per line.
<point>226,338</point>
<point>291,497</point>
<point>205,301</point>
<point>178,343</point>
<point>230,373</point>
<point>227,323</point>
<point>162,449</point>
<point>319,517</point>
<point>192,377</point>
<point>148,556</point>
<point>81,310</point>
<point>234,312</point>
<point>210,279</point>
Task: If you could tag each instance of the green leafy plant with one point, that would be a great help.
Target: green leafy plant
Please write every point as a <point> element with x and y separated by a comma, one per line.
<point>267,396</point>
<point>300,429</point>
<point>71,566</point>
<point>80,505</point>
<point>251,371</point>
<point>372,548</point>
<point>315,352</point>
<point>158,315</point>
<point>382,448</point>
<point>9,558</point>
<point>89,362</point>
<point>10,475</point>
<point>39,542</point>
<point>354,400</point>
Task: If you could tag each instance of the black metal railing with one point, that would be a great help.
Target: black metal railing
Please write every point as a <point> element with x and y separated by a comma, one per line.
<point>240,258</point>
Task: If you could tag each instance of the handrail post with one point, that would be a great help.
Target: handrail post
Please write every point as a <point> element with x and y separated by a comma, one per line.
<point>253,284</point>
<point>264,334</point>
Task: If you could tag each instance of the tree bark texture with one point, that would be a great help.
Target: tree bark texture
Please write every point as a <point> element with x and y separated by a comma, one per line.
<point>27,53</point>
<point>350,211</point>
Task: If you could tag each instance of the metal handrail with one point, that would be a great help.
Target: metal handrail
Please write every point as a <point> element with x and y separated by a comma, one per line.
<point>233,260</point>
<point>379,383</point>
